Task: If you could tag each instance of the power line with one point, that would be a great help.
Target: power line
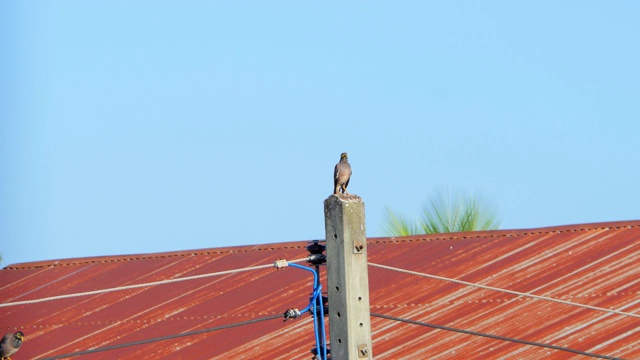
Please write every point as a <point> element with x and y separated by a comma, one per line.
<point>135,286</point>
<point>168,337</point>
<point>497,337</point>
<point>512,292</point>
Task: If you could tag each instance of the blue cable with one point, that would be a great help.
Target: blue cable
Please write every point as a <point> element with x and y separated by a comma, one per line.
<point>315,324</point>
<point>316,298</point>
<point>324,336</point>
<point>315,285</point>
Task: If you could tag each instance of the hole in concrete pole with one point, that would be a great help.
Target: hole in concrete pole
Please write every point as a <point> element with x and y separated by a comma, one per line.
<point>335,236</point>
<point>359,298</point>
<point>338,314</point>
<point>339,341</point>
<point>361,324</point>
<point>337,288</point>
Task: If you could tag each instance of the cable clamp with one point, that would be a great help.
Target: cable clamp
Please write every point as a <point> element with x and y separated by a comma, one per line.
<point>317,259</point>
<point>291,314</point>
<point>279,264</point>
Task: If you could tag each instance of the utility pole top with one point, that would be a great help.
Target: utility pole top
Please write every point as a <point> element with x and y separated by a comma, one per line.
<point>347,278</point>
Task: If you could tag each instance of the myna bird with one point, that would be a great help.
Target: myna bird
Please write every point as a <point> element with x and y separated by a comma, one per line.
<point>341,175</point>
<point>10,344</point>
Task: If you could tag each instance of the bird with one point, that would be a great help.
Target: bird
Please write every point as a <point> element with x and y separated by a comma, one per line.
<point>341,175</point>
<point>10,344</point>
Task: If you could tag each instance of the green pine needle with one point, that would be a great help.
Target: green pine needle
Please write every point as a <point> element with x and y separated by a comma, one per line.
<point>444,212</point>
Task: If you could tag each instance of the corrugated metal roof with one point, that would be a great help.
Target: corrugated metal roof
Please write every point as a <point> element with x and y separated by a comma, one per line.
<point>593,264</point>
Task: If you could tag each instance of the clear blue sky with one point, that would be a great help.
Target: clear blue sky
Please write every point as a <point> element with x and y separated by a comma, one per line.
<point>147,126</point>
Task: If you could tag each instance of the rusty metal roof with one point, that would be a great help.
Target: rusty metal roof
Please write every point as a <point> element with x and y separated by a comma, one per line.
<point>591,264</point>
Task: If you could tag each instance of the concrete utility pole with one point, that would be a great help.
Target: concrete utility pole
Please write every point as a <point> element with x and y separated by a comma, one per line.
<point>347,278</point>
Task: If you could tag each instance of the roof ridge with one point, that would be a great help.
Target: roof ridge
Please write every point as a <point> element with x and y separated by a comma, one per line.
<point>510,233</point>
<point>297,244</point>
<point>151,256</point>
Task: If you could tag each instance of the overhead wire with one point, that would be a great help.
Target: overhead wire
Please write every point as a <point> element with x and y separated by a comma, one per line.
<point>141,285</point>
<point>497,337</point>
<point>512,292</point>
<point>162,338</point>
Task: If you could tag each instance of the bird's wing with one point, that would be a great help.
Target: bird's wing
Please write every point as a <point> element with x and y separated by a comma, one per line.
<point>4,348</point>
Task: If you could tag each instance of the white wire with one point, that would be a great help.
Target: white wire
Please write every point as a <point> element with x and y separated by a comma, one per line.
<point>546,298</point>
<point>135,286</point>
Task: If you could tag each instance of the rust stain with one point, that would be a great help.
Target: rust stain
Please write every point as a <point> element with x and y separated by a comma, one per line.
<point>592,264</point>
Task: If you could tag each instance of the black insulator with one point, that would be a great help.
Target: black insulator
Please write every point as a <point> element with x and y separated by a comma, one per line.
<point>316,247</point>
